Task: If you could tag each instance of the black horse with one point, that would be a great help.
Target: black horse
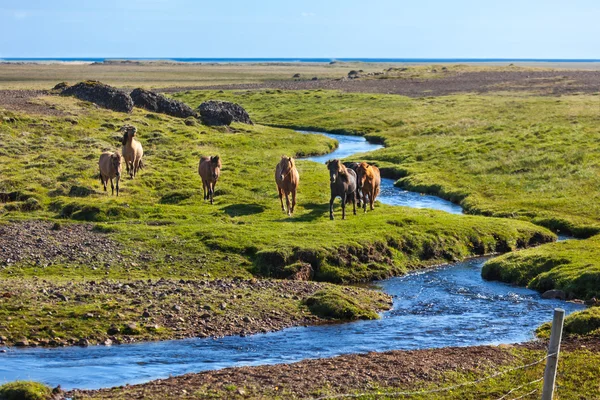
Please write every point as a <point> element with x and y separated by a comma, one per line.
<point>343,184</point>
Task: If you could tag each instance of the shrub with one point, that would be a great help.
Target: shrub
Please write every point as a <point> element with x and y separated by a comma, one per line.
<point>24,390</point>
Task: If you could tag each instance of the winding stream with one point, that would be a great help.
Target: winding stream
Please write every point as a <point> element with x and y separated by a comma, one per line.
<point>447,306</point>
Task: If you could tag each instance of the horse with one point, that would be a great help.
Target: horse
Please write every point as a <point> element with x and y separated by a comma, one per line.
<point>287,180</point>
<point>209,170</point>
<point>369,181</point>
<point>110,167</point>
<point>353,166</point>
<point>342,184</point>
<point>132,150</point>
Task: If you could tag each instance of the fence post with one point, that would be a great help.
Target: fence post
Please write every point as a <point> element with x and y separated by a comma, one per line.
<point>553,350</point>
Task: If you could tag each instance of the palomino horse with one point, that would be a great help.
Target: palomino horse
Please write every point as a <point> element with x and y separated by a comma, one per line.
<point>110,168</point>
<point>343,184</point>
<point>209,170</point>
<point>132,150</point>
<point>369,180</point>
<point>287,179</point>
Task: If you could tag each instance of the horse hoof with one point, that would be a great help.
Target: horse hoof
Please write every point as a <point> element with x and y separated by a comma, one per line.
<point>331,217</point>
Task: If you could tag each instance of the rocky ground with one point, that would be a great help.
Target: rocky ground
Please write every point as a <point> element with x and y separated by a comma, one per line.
<point>541,82</point>
<point>410,370</point>
<point>24,101</point>
<point>44,243</point>
<point>306,378</point>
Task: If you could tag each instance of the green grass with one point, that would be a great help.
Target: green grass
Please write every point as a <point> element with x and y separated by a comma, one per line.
<point>514,156</point>
<point>333,303</point>
<point>525,157</point>
<point>571,266</point>
<point>25,390</point>
<point>162,214</point>
<point>580,323</point>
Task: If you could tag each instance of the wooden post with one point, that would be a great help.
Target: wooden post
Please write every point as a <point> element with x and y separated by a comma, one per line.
<point>553,350</point>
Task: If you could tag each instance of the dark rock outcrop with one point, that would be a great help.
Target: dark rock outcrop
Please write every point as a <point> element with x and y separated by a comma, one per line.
<point>159,103</point>
<point>216,112</point>
<point>103,95</point>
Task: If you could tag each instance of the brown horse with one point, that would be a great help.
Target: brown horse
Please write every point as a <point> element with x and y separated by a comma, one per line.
<point>287,179</point>
<point>132,150</point>
<point>209,170</point>
<point>110,168</point>
<point>343,184</point>
<point>369,180</point>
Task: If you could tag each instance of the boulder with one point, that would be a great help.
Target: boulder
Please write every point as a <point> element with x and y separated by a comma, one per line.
<point>216,112</point>
<point>554,294</point>
<point>103,95</point>
<point>159,103</point>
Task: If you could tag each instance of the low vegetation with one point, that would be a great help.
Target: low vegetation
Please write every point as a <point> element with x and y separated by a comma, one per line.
<point>25,390</point>
<point>580,323</point>
<point>571,266</point>
<point>342,304</point>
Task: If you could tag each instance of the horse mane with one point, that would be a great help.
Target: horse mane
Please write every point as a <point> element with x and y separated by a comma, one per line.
<point>216,160</point>
<point>290,160</point>
<point>126,129</point>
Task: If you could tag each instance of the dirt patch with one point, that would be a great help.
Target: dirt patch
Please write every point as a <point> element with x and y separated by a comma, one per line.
<point>24,101</point>
<point>303,379</point>
<point>540,82</point>
<point>44,243</point>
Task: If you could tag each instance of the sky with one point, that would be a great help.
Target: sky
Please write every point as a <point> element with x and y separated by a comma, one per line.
<point>563,29</point>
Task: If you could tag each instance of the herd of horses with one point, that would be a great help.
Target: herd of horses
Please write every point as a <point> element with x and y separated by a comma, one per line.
<point>352,182</point>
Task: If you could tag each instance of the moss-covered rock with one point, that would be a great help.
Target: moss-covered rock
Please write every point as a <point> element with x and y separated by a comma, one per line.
<point>25,390</point>
<point>333,303</point>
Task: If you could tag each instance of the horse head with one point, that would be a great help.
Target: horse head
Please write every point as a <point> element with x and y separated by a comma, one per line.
<point>336,168</point>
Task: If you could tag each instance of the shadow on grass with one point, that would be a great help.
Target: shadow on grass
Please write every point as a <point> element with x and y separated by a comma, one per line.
<point>239,210</point>
<point>316,211</point>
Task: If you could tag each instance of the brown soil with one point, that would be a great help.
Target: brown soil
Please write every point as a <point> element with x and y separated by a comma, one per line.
<point>23,101</point>
<point>356,372</point>
<point>303,379</point>
<point>539,82</point>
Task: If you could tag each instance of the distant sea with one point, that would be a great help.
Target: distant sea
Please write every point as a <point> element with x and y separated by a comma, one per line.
<point>300,60</point>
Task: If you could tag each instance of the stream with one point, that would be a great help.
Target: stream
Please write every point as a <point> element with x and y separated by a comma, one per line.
<point>446,306</point>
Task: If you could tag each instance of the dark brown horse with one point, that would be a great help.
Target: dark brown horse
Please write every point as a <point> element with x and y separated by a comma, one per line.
<point>369,180</point>
<point>209,170</point>
<point>343,185</point>
<point>287,179</point>
<point>353,166</point>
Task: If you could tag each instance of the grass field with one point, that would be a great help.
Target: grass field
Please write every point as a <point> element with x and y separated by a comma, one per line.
<point>522,157</point>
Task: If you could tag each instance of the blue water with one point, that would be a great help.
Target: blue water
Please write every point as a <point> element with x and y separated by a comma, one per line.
<point>299,60</point>
<point>450,306</point>
<point>390,194</point>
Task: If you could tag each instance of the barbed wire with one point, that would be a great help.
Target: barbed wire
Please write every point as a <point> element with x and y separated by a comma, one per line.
<point>520,387</point>
<point>525,395</point>
<point>444,389</point>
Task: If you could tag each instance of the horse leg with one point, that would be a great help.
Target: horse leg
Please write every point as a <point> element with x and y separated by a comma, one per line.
<point>130,169</point>
<point>331,207</point>
<point>204,189</point>
<point>344,206</point>
<point>353,196</point>
<point>293,200</point>
<point>103,182</point>
<point>281,198</point>
<point>211,189</point>
<point>364,195</point>
<point>287,203</point>
<point>117,179</point>
<point>358,197</point>
<point>112,187</point>
<point>372,198</point>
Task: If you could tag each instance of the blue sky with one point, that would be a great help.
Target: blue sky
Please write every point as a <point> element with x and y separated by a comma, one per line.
<point>324,28</point>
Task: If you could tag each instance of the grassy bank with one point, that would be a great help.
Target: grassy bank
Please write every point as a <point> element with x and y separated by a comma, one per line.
<point>571,266</point>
